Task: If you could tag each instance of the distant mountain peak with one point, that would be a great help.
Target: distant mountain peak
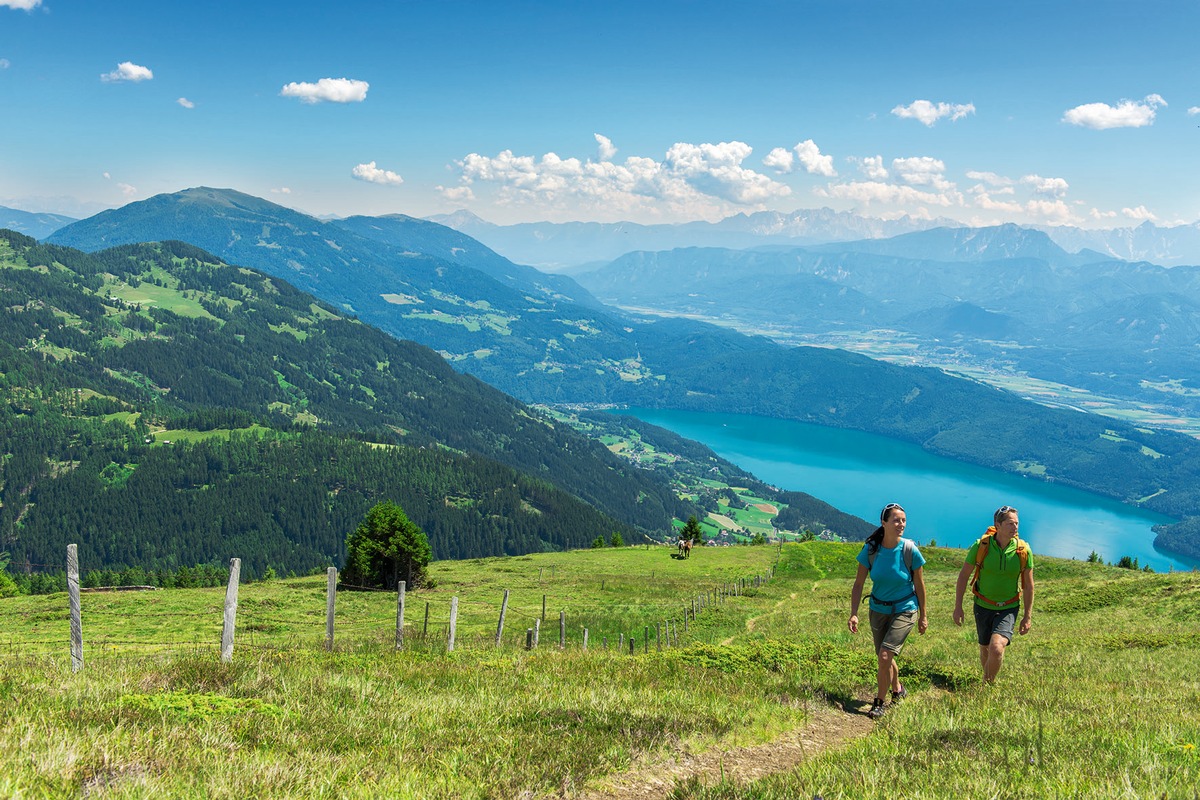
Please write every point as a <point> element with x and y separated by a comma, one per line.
<point>460,219</point>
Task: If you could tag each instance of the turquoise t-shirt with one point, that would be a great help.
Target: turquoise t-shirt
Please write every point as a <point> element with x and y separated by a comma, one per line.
<point>890,579</point>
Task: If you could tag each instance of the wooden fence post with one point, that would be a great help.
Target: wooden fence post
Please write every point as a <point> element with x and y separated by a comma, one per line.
<point>500,624</point>
<point>562,630</point>
<point>231,591</point>
<point>537,631</point>
<point>400,614</point>
<point>543,608</point>
<point>76,611</point>
<point>330,599</point>
<point>453,623</point>
<point>425,629</point>
<point>620,643</point>
<point>529,638</point>
<point>632,644</point>
<point>585,635</point>
<point>657,637</point>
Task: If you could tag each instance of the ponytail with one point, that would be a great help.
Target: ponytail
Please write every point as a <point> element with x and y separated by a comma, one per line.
<point>875,540</point>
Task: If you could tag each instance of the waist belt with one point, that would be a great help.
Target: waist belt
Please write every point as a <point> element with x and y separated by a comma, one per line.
<point>892,603</point>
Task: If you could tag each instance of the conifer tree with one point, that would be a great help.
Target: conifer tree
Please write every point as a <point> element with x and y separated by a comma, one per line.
<point>385,548</point>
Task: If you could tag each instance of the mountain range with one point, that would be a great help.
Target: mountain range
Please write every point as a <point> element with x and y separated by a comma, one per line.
<point>164,409</point>
<point>545,339</point>
<point>573,246</point>
<point>1005,297</point>
<point>37,225</point>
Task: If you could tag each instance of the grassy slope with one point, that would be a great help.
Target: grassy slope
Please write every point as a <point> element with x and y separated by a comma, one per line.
<point>1100,700</point>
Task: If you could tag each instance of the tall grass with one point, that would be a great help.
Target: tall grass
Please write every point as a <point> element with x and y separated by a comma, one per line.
<point>1100,700</point>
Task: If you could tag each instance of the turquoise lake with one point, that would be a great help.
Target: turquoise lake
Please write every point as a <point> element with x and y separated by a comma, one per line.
<point>945,500</point>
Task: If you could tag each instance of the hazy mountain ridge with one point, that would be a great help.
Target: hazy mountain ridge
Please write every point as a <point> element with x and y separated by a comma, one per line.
<point>1070,319</point>
<point>562,246</point>
<point>39,225</point>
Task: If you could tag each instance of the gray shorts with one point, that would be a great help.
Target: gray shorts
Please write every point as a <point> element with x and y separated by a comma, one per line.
<point>890,630</point>
<point>994,620</point>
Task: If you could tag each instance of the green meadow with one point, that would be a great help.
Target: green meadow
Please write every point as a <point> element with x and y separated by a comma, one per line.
<point>1101,699</point>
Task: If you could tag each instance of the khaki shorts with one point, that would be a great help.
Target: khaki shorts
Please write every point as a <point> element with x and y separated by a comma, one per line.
<point>890,630</point>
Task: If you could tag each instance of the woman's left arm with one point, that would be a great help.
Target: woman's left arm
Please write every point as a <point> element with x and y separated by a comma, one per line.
<point>919,588</point>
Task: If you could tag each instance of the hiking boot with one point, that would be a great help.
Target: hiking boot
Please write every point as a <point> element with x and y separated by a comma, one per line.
<point>900,695</point>
<point>876,709</point>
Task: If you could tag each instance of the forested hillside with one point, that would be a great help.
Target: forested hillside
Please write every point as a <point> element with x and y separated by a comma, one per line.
<point>286,421</point>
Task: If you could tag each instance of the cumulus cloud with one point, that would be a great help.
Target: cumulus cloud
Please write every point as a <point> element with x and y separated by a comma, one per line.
<point>457,194</point>
<point>281,190</point>
<point>1126,114</point>
<point>922,171</point>
<point>128,71</point>
<point>695,180</point>
<point>810,156</point>
<point>332,90</point>
<point>779,159</point>
<point>607,151</point>
<point>1193,111</point>
<point>183,101</point>
<point>20,5</point>
<point>127,190</point>
<point>1102,215</point>
<point>928,113</point>
<point>872,167</point>
<point>1056,187</point>
<point>1141,214</point>
<point>372,174</point>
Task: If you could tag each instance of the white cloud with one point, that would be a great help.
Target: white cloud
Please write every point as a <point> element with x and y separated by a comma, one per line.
<point>333,90</point>
<point>20,5</point>
<point>372,174</point>
<point>692,180</point>
<point>1141,214</point>
<point>868,192</point>
<point>779,159</point>
<point>990,178</point>
<point>5,63</point>
<point>872,167</point>
<point>1126,114</point>
<point>928,113</point>
<point>922,171</point>
<point>183,101</point>
<point>107,177</point>
<point>127,190</point>
<point>607,151</point>
<point>457,194</point>
<point>281,190</point>
<point>1056,187</point>
<point>128,71</point>
<point>1193,111</point>
<point>810,156</point>
<point>1101,215</point>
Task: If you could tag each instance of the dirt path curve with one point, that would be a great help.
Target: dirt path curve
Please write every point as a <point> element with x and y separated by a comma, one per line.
<point>827,727</point>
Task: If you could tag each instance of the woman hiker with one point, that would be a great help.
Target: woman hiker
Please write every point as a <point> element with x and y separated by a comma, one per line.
<point>897,599</point>
<point>1003,567</point>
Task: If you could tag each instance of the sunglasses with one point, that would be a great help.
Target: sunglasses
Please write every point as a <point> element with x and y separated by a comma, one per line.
<point>890,507</point>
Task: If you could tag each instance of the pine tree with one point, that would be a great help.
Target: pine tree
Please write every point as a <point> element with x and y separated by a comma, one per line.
<point>385,548</point>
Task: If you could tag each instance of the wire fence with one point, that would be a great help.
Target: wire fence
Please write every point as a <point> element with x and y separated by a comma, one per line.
<point>109,627</point>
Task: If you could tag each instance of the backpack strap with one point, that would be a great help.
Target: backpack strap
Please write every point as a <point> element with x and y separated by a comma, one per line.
<point>981,553</point>
<point>909,547</point>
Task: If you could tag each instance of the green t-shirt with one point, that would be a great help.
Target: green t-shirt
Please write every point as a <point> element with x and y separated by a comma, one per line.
<point>1000,573</point>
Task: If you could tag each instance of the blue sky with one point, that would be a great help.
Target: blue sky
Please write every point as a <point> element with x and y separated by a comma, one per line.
<point>1045,112</point>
